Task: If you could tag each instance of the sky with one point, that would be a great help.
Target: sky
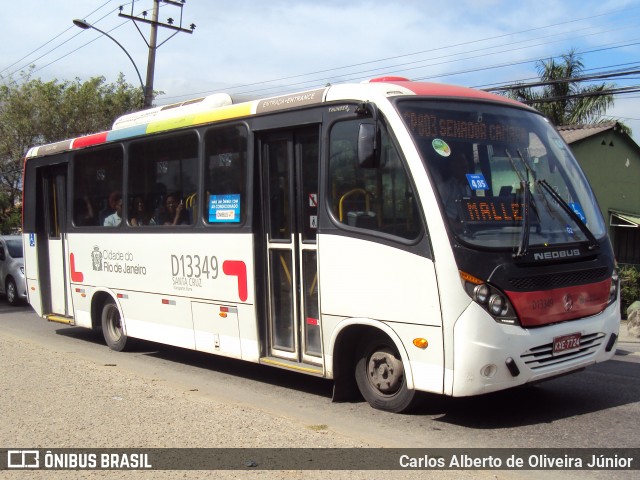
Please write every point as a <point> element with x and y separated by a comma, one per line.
<point>261,48</point>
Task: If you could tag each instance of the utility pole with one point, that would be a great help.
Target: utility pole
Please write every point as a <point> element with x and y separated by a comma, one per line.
<point>152,43</point>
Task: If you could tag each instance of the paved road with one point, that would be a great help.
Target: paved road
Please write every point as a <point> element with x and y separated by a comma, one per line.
<point>63,388</point>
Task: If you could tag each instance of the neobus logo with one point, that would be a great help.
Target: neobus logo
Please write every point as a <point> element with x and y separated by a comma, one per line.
<point>556,255</point>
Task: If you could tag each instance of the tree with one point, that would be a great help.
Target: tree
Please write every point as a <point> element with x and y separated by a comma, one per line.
<point>561,97</point>
<point>10,216</point>
<point>33,112</point>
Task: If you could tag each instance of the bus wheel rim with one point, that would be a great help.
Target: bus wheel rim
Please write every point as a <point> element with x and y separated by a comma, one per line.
<point>385,372</point>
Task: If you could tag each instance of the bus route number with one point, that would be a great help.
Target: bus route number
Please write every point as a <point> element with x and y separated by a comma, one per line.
<point>194,266</point>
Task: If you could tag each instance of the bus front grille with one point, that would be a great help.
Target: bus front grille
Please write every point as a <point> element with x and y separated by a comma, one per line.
<point>542,356</point>
<point>558,280</point>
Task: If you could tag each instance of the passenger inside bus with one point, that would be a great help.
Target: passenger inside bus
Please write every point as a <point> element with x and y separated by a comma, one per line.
<point>174,212</point>
<point>140,215</point>
<point>115,202</point>
<point>84,213</point>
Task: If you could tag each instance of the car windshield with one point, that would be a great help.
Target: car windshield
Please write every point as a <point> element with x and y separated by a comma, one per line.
<point>504,176</point>
<point>14,246</point>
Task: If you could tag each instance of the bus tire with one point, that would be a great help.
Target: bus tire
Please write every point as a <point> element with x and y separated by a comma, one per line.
<point>112,327</point>
<point>380,376</point>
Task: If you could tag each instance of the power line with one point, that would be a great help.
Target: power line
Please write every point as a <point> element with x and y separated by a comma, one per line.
<point>487,86</point>
<point>577,79</point>
<point>74,36</point>
<point>287,87</point>
<point>385,68</point>
<point>364,74</point>
<point>48,42</point>
<point>610,91</point>
<point>417,64</point>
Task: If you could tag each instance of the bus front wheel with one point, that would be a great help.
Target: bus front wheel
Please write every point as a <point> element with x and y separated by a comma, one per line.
<point>380,376</point>
<point>112,327</point>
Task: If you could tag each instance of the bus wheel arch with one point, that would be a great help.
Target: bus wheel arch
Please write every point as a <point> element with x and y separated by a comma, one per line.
<point>365,354</point>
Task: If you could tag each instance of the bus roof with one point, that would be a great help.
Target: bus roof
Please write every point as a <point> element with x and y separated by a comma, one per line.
<point>220,106</point>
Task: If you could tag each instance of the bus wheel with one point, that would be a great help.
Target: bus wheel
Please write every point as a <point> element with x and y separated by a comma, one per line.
<point>112,327</point>
<point>380,376</point>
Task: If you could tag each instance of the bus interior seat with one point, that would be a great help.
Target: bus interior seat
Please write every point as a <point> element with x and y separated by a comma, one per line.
<point>505,191</point>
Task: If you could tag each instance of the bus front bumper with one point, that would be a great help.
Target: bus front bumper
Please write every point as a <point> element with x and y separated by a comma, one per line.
<point>489,356</point>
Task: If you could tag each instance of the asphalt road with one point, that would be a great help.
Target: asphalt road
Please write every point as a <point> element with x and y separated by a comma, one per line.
<point>63,388</point>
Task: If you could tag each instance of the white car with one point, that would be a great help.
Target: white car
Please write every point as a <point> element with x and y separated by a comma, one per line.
<point>12,280</point>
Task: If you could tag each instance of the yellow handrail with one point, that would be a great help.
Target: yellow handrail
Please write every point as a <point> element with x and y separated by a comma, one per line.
<point>367,201</point>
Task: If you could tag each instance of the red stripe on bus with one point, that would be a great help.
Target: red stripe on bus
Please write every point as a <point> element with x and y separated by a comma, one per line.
<point>237,268</point>
<point>560,304</point>
<point>89,140</point>
<point>451,91</point>
<point>76,276</point>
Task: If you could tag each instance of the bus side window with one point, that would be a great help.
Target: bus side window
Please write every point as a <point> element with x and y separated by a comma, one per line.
<point>97,175</point>
<point>379,199</point>
<point>225,175</point>
<point>161,172</point>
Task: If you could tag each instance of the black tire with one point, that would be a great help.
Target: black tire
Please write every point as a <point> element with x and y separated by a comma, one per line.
<point>112,327</point>
<point>11,291</point>
<point>380,376</point>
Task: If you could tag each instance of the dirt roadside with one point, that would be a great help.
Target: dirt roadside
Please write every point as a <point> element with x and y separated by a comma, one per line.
<point>53,399</point>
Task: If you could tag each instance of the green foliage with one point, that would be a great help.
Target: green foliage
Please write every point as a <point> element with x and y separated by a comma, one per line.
<point>562,98</point>
<point>629,286</point>
<point>10,216</point>
<point>34,112</point>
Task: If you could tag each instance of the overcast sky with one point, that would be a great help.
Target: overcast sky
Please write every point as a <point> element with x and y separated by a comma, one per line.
<point>262,48</point>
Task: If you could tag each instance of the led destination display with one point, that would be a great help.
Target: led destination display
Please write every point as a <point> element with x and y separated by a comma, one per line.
<point>496,209</point>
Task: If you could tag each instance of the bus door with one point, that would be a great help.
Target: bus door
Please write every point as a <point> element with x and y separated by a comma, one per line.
<point>52,240</point>
<point>289,174</point>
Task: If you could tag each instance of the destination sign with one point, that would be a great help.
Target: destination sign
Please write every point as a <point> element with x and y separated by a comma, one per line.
<point>495,209</point>
<point>444,124</point>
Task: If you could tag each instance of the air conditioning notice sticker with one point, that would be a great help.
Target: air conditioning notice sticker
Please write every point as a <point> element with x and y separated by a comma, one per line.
<point>224,208</point>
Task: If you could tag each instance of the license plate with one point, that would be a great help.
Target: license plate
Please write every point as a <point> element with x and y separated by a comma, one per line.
<point>566,343</point>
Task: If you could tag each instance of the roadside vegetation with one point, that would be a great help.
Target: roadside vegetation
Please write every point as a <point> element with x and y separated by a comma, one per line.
<point>629,286</point>
<point>34,112</point>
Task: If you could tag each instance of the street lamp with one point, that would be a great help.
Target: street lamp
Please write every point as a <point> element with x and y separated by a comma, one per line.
<point>86,25</point>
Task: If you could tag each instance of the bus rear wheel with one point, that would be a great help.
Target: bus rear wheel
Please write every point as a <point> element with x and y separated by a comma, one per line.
<point>112,327</point>
<point>380,376</point>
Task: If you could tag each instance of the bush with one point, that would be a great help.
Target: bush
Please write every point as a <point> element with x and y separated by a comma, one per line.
<point>629,286</point>
<point>10,216</point>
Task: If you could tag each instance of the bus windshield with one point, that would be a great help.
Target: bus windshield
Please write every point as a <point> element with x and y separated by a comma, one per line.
<point>504,176</point>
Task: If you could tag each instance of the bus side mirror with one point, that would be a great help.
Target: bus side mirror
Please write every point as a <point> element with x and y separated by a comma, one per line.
<point>368,151</point>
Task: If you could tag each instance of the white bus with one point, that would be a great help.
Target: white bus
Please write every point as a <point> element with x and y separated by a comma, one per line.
<point>393,236</point>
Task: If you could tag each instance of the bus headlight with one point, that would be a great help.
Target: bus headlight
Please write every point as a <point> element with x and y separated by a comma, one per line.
<point>481,293</point>
<point>615,285</point>
<point>497,305</point>
<point>490,298</point>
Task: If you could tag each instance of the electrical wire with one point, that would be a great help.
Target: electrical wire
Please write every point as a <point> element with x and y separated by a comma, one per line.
<point>49,41</point>
<point>319,77</point>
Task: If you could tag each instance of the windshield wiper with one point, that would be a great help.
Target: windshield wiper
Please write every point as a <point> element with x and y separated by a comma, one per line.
<point>593,243</point>
<point>525,186</point>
